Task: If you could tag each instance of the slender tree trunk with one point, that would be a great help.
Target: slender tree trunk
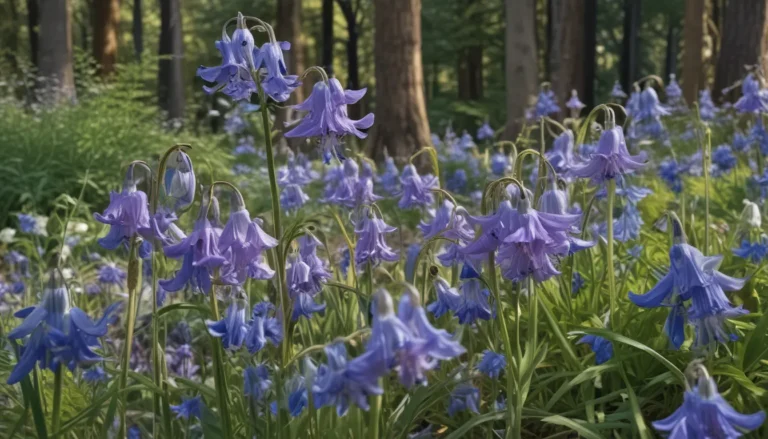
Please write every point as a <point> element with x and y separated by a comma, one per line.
<point>353,62</point>
<point>590,52</point>
<point>566,62</point>
<point>470,59</point>
<point>693,40</point>
<point>327,36</point>
<point>289,29</point>
<point>630,42</point>
<point>33,20</point>
<point>401,116</point>
<point>106,24</point>
<point>670,59</point>
<point>171,63</point>
<point>743,40</point>
<point>521,67</point>
<point>137,29</point>
<point>55,52</point>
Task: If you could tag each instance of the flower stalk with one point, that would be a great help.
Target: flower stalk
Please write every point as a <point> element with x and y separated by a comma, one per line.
<point>134,278</point>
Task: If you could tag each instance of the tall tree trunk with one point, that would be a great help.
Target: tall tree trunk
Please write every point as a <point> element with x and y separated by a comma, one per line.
<point>693,40</point>
<point>566,62</point>
<point>670,59</point>
<point>470,59</point>
<point>289,29</point>
<point>171,62</point>
<point>327,36</point>
<point>590,52</point>
<point>33,21</point>
<point>353,61</point>
<point>744,40</point>
<point>520,62</point>
<point>630,42</point>
<point>106,23</point>
<point>401,116</point>
<point>137,30</point>
<point>55,52</point>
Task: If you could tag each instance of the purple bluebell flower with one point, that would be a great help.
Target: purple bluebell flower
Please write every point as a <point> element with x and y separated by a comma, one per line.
<point>245,241</point>
<point>627,226</point>
<point>242,169</point>
<point>302,288</point>
<point>257,383</point>
<point>276,81</point>
<point>546,104</point>
<point>179,180</point>
<point>341,382</point>
<point>263,328</point>
<point>706,414</point>
<point>27,222</point>
<point>390,178</point>
<point>492,364</point>
<point>723,160</point>
<point>577,283</point>
<point>345,262</point>
<point>417,190</point>
<point>499,164</point>
<point>127,214</point>
<point>693,276</point>
<point>95,375</point>
<point>741,142</point>
<point>180,360</point>
<point>292,198</point>
<point>474,303</point>
<point>671,172</point>
<point>232,328</point>
<point>293,173</point>
<point>111,274</point>
<point>633,103</point>
<point>753,98</point>
<point>610,160</point>
<point>465,397</point>
<point>574,104</point>
<point>189,408</point>
<point>58,333</point>
<point>244,146</point>
<point>457,183</point>
<point>753,251</point>
<point>485,132</point>
<point>134,432</point>
<point>232,78</point>
<point>602,348</point>
<point>18,263</point>
<point>633,194</point>
<point>371,247</point>
<point>448,299</point>
<point>707,109</point>
<point>466,141</point>
<point>674,93</point>
<point>297,397</point>
<point>561,155</point>
<point>327,117</point>
<point>617,92</point>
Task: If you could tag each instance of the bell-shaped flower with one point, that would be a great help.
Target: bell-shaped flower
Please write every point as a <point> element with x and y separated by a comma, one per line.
<point>256,383</point>
<point>457,183</point>
<point>95,375</point>
<point>293,197</point>
<point>438,343</point>
<point>753,251</point>
<point>492,364</point>
<point>474,303</point>
<point>417,190</point>
<point>341,382</point>
<point>179,180</point>
<point>371,247</point>
<point>276,81</point>
<point>617,92</point>
<point>546,104</point>
<point>306,276</point>
<point>263,328</point>
<point>127,214</point>
<point>448,299</point>
<point>485,132</point>
<point>390,178</point>
<point>723,160</point>
<point>610,160</point>
<point>293,173</point>
<point>465,397</point>
<point>232,328</point>
<point>466,141</point>
<point>674,93</point>
<point>753,98</point>
<point>574,104</point>
<point>561,155</point>
<point>190,408</point>
<point>232,77</point>
<point>246,241</point>
<point>602,348</point>
<point>345,186</point>
<point>671,172</point>
<point>707,108</point>
<point>500,164</point>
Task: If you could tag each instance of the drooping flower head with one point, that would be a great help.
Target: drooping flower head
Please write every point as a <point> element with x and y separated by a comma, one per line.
<point>707,108</point>
<point>263,328</point>
<point>561,155</point>
<point>610,160</point>
<point>127,214</point>
<point>546,103</point>
<point>341,381</point>
<point>602,348</point>
<point>492,364</point>
<point>232,328</point>
<point>390,178</point>
<point>256,383</point>
<point>671,172</point>
<point>371,247</point>
<point>417,189</point>
<point>754,98</point>
<point>485,132</point>
<point>179,180</point>
<point>465,397</point>
<point>675,100</point>
<point>723,160</point>
<point>190,408</point>
<point>617,92</point>
<point>574,104</point>
<point>232,77</point>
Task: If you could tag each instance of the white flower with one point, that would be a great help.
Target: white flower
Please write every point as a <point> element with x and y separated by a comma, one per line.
<point>7,234</point>
<point>41,225</point>
<point>77,227</point>
<point>750,216</point>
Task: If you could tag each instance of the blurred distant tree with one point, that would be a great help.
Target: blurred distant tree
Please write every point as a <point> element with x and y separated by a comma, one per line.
<point>470,59</point>
<point>566,54</point>
<point>744,40</point>
<point>351,11</point>
<point>401,126</point>
<point>55,52</point>
<point>106,24</point>
<point>630,43</point>
<point>137,29</point>
<point>673,37</point>
<point>289,29</point>
<point>521,63</point>
<point>170,78</point>
<point>10,37</point>
<point>693,35</point>
<point>33,20</point>
<point>590,52</point>
<point>327,36</point>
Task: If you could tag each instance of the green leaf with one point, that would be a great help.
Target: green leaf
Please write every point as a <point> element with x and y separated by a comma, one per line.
<point>474,422</point>
<point>184,306</point>
<point>739,377</point>
<point>583,429</point>
<point>210,422</point>
<point>637,416</point>
<point>755,346</point>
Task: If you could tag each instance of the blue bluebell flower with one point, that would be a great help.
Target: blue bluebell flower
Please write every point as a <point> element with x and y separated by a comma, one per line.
<point>276,82</point>
<point>111,274</point>
<point>633,194</point>
<point>189,408</point>
<point>341,382</point>
<point>263,328</point>
<point>741,143</point>
<point>723,160</point>
<point>577,283</point>
<point>759,136</point>
<point>457,183</point>
<point>474,303</point>
<point>232,328</point>
<point>257,383</point>
<point>410,261</point>
<point>179,180</point>
<point>602,348</point>
<point>292,197</point>
<point>574,104</point>
<point>753,251</point>
<point>302,289</point>
<point>466,141</point>
<point>345,262</point>
<point>127,214</point>
<point>417,189</point>
<point>180,360</point>
<point>561,154</point>
<point>465,397</point>
<point>297,397</point>
<point>244,146</point>
<point>546,103</point>
<point>244,240</point>
<point>627,226</point>
<point>617,92</point>
<point>293,173</point>
<point>232,77</point>
<point>448,299</point>
<point>485,132</point>
<point>707,109</point>
<point>492,364</point>
<point>610,160</point>
<point>18,263</point>
<point>95,375</point>
<point>134,432</point>
<point>499,164</point>
<point>390,178</point>
<point>674,93</point>
<point>371,247</point>
<point>753,98</point>
<point>670,171</point>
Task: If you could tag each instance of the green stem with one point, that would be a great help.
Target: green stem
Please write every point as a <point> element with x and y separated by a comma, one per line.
<point>57,390</point>
<point>376,405</point>
<point>706,161</point>
<point>609,256</point>
<point>218,371</point>
<point>533,318</point>
<point>134,273</point>
<point>513,411</point>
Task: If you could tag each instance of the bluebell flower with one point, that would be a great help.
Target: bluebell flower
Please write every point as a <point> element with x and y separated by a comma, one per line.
<point>293,173</point>
<point>134,432</point>
<point>448,299</point>
<point>345,262</point>
<point>111,274</point>
<point>753,98</point>
<point>633,103</point>
<point>95,375</point>
<point>741,143</point>
<point>499,164</point>
<point>276,81</point>
<point>189,408</point>
<point>292,198</point>
<point>633,194</point>
<point>180,360</point>
<point>127,214</point>
<point>257,383</point>
<point>390,178</point>
<point>232,328</point>
<point>18,263</point>
<point>707,109</point>
<point>301,289</point>
<point>754,252</point>
<point>574,104</point>
<point>457,183</point>
<point>635,251</point>
<point>474,303</point>
<point>244,146</point>
<point>465,397</point>
<point>466,141</point>
<point>371,247</point>
<point>179,180</point>
<point>706,414</point>
<point>232,77</point>
<point>263,328</point>
<point>341,382</point>
<point>674,93</point>
<point>627,226</point>
<point>602,348</point>
<point>693,276</point>
<point>546,104</point>
<point>242,169</point>
<point>617,92</point>
<point>485,132</point>
<point>58,333</point>
<point>246,242</point>
<point>670,172</point>
<point>723,160</point>
<point>577,283</point>
<point>27,222</point>
<point>417,190</point>
<point>610,160</point>
<point>492,364</point>
<point>561,154</point>
<point>759,136</point>
<point>297,397</point>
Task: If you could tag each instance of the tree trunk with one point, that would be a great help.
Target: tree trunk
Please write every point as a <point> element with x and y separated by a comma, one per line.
<point>401,116</point>
<point>171,62</point>
<point>327,36</point>
<point>693,40</point>
<point>106,24</point>
<point>470,58</point>
<point>743,40</point>
<point>590,52</point>
<point>289,29</point>
<point>353,61</point>
<point>33,21</point>
<point>55,52</point>
<point>137,29</point>
<point>670,60</point>
<point>630,43</point>
<point>566,62</point>
<point>520,62</point>
<point>10,38</point>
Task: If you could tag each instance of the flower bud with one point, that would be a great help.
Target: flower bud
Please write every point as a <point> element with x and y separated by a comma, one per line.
<point>179,180</point>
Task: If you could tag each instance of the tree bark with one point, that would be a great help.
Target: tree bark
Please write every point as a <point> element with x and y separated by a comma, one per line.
<point>327,14</point>
<point>401,116</point>
<point>630,42</point>
<point>289,29</point>
<point>137,30</point>
<point>33,21</point>
<point>743,40</point>
<point>670,61</point>
<point>520,62</point>
<point>693,40</point>
<point>55,52</point>
<point>566,62</point>
<point>590,52</point>
<point>106,23</point>
<point>353,60</point>
<point>171,62</point>
<point>470,59</point>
